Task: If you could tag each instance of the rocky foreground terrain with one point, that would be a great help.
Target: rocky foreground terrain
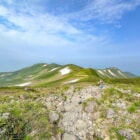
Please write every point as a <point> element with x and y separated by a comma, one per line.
<point>70,113</point>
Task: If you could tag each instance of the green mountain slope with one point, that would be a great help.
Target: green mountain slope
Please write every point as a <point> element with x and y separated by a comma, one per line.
<point>130,75</point>
<point>25,74</point>
<point>53,74</point>
<point>114,73</point>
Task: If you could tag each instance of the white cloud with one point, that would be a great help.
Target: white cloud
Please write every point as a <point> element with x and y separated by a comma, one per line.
<point>106,11</point>
<point>3,11</point>
<point>44,30</point>
<point>50,28</point>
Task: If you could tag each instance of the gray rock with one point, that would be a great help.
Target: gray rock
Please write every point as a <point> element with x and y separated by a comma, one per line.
<point>127,133</point>
<point>53,116</point>
<point>110,113</point>
<point>67,136</point>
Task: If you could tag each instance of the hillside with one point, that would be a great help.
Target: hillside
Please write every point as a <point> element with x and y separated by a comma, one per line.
<point>54,74</point>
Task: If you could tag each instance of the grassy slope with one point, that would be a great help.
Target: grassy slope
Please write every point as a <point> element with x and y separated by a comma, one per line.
<point>134,81</point>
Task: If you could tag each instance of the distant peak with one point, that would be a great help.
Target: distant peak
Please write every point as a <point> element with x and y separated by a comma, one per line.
<point>113,68</point>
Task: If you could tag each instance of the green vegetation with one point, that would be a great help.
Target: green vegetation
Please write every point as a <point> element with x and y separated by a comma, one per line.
<point>127,81</point>
<point>110,93</point>
<point>23,116</point>
<point>134,106</point>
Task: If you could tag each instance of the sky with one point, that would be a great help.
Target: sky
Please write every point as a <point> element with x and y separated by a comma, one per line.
<point>88,33</point>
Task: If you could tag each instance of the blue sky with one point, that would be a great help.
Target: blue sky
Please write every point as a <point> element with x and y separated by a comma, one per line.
<point>89,33</point>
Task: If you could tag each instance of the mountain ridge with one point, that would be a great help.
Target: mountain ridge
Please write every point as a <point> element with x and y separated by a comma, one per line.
<point>45,74</point>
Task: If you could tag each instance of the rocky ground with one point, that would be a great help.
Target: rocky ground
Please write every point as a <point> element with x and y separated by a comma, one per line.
<point>76,113</point>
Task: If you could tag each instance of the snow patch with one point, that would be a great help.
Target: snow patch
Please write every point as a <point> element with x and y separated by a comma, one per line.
<point>6,74</point>
<point>72,81</point>
<point>23,84</point>
<point>111,73</point>
<point>65,71</point>
<point>121,73</point>
<point>100,72</point>
<point>54,69</point>
<point>2,75</point>
<point>30,76</point>
<point>44,65</point>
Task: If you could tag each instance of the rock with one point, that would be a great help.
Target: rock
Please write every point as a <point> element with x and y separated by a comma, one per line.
<point>68,121</point>
<point>69,107</point>
<point>53,138</point>
<point>76,99</point>
<point>49,105</point>
<point>93,116</point>
<point>128,121</point>
<point>120,104</point>
<point>107,138</point>
<point>89,137</point>
<point>67,136</point>
<point>53,116</point>
<point>70,116</point>
<point>80,125</point>
<point>136,95</point>
<point>90,107</point>
<point>110,113</point>
<point>57,137</point>
<point>127,133</point>
<point>60,107</point>
<point>33,133</point>
<point>5,115</point>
